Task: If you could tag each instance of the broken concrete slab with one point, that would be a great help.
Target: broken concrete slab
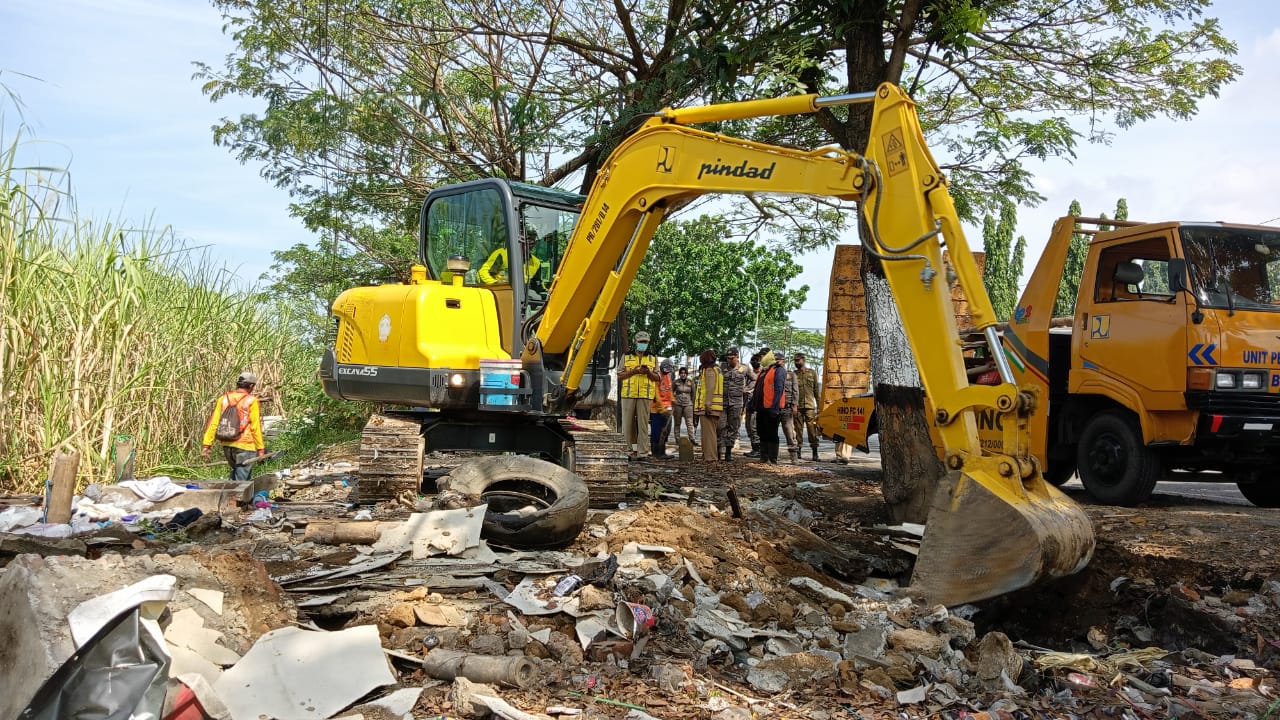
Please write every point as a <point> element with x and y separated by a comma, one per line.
<point>306,675</point>
<point>439,532</point>
<point>211,497</point>
<point>38,594</point>
<point>12,545</point>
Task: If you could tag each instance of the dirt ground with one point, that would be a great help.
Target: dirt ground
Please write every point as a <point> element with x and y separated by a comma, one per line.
<point>1151,562</point>
<point>1197,580</point>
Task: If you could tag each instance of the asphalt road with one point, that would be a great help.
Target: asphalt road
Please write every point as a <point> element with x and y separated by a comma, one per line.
<point>1219,492</point>
<point>1224,492</point>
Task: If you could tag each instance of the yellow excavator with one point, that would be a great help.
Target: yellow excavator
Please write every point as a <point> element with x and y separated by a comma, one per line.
<point>501,332</point>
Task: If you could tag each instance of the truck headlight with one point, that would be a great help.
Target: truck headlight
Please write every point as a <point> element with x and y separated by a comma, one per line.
<point>457,380</point>
<point>1225,380</point>
<point>1252,381</point>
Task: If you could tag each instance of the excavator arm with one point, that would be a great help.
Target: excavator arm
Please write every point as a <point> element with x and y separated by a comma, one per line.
<point>995,525</point>
<point>658,168</point>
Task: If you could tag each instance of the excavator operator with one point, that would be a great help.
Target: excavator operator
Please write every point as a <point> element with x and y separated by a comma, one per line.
<point>494,270</point>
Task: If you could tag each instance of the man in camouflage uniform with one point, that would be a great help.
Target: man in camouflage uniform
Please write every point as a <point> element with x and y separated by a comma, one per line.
<point>788,431</point>
<point>683,414</point>
<point>805,408</point>
<point>736,377</point>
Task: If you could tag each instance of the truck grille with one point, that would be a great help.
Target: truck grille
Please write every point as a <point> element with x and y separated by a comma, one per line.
<point>1235,403</point>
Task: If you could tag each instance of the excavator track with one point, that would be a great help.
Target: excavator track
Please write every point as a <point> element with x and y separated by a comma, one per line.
<point>392,458</point>
<point>600,459</point>
<point>391,446</point>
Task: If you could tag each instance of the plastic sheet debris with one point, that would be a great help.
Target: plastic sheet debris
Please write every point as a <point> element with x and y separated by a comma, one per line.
<point>119,672</point>
<point>18,517</point>
<point>156,489</point>
<point>149,595</point>
<point>533,597</point>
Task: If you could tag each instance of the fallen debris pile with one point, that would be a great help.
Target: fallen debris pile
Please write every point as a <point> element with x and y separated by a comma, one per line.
<point>665,609</point>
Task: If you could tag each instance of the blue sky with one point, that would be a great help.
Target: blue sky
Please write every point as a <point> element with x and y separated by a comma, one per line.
<point>116,103</point>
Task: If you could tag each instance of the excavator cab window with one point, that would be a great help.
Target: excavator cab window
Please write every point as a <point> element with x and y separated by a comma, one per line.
<point>470,224</point>
<point>546,231</point>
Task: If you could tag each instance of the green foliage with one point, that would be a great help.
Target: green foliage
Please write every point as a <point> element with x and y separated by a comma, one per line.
<point>787,338</point>
<point>1073,267</point>
<point>109,329</point>
<point>1004,259</point>
<point>997,83</point>
<point>697,289</point>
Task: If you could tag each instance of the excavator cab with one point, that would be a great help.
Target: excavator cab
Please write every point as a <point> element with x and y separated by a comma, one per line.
<point>506,237</point>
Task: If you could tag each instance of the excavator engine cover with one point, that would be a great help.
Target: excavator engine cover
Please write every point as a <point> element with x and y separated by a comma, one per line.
<point>988,535</point>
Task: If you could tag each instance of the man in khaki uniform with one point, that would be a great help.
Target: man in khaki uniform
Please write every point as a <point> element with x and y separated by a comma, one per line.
<point>736,378</point>
<point>637,382</point>
<point>805,410</point>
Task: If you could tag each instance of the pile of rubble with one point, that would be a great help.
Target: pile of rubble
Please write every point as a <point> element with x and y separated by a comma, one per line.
<point>665,609</point>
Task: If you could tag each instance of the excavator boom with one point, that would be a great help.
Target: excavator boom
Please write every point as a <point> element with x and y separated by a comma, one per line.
<point>995,524</point>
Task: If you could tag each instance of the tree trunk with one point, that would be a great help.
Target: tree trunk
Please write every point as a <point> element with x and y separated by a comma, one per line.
<point>911,468</point>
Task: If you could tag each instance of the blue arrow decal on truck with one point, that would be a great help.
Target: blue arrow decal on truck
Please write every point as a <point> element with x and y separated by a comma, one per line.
<point>1202,354</point>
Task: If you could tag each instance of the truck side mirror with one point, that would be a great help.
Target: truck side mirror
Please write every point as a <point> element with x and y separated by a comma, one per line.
<point>1177,274</point>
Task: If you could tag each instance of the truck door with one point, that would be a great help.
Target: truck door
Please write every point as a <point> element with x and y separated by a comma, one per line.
<point>1134,328</point>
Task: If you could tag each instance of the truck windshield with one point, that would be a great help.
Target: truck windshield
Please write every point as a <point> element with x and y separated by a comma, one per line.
<point>1234,268</point>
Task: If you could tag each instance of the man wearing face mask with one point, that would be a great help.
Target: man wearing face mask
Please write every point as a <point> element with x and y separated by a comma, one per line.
<point>637,382</point>
<point>805,411</point>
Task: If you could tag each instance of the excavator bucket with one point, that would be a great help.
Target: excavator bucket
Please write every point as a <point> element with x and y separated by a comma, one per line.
<point>987,535</point>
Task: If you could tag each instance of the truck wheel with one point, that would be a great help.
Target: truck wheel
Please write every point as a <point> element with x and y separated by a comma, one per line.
<point>1262,494</point>
<point>533,504</point>
<point>1116,467</point>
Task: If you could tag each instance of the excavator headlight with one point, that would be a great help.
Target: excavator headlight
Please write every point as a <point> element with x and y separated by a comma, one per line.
<point>1250,380</point>
<point>457,380</point>
<point>1225,380</point>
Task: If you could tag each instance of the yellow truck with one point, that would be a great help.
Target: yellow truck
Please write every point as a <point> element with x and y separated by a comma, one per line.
<point>1169,368</point>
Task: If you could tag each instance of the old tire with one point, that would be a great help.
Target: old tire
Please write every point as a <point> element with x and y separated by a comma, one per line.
<point>510,483</point>
<point>1255,490</point>
<point>1115,466</point>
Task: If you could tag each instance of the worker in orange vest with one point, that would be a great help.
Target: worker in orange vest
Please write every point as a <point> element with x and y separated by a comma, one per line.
<point>236,422</point>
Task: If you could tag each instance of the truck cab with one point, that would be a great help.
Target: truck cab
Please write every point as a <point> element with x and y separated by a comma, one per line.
<point>1170,364</point>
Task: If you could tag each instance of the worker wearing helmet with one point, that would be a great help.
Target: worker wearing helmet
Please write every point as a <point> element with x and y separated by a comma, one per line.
<point>236,422</point>
<point>496,269</point>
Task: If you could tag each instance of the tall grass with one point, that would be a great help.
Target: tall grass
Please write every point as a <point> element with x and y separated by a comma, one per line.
<point>109,330</point>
